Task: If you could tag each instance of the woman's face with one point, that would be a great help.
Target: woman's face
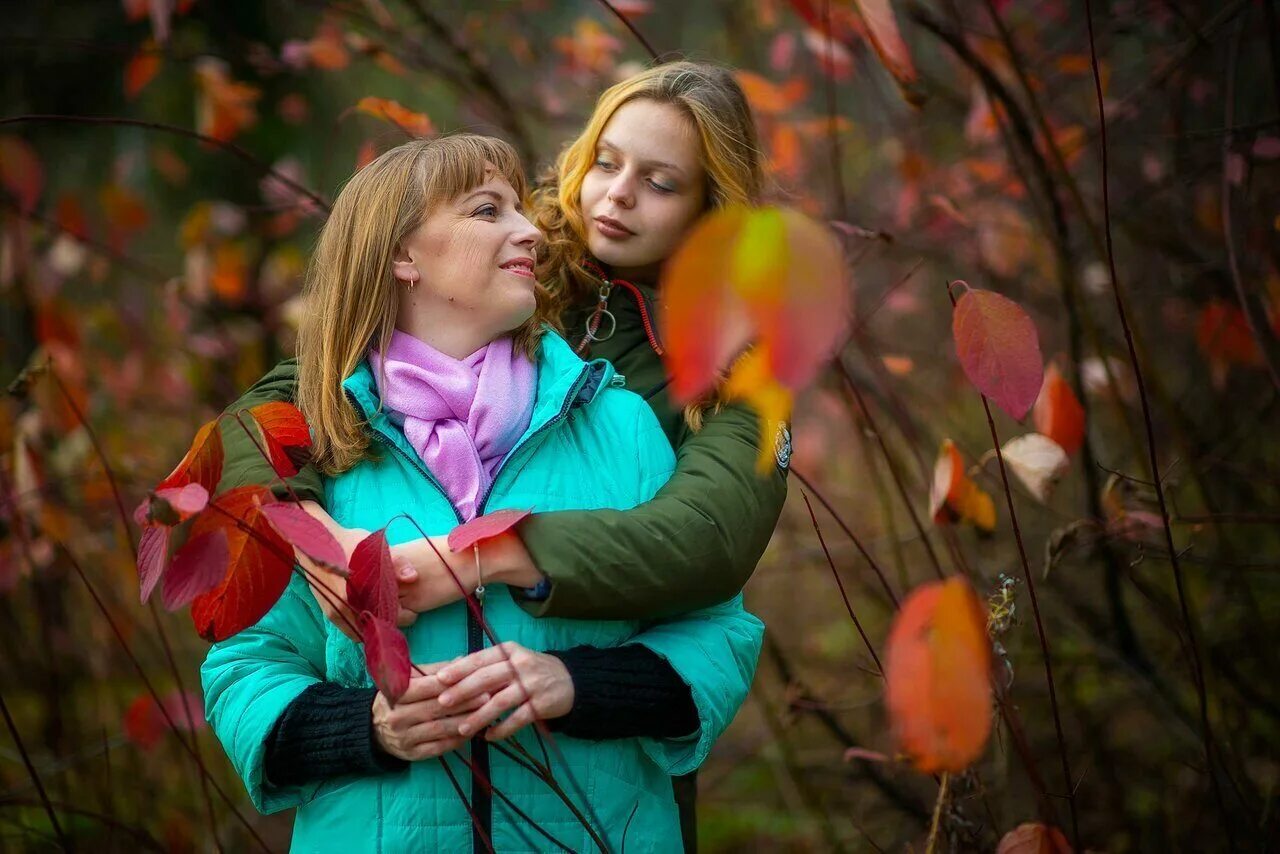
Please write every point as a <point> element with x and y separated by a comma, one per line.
<point>472,263</point>
<point>645,188</point>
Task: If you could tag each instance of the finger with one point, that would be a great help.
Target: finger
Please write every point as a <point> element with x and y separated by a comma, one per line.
<point>490,679</point>
<point>433,730</point>
<point>421,688</point>
<point>406,572</point>
<point>516,721</point>
<point>459,670</point>
<point>406,617</point>
<point>431,749</point>
<point>508,698</point>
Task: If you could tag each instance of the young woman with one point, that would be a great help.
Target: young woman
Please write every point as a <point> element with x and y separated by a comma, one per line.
<point>660,149</point>
<point>434,389</point>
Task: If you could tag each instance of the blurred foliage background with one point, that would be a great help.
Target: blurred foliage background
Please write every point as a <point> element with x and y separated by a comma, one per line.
<point>154,276</point>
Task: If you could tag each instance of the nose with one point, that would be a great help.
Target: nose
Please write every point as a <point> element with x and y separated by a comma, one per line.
<point>526,235</point>
<point>620,191</point>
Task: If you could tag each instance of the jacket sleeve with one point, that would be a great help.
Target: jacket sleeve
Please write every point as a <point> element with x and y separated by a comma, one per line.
<point>243,464</point>
<point>693,545</point>
<point>715,651</point>
<point>252,677</point>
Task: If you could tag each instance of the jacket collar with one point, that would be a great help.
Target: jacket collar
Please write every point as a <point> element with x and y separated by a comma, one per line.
<point>565,381</point>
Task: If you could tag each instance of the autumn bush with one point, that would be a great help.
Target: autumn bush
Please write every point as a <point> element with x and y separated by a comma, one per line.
<point>1017,297</point>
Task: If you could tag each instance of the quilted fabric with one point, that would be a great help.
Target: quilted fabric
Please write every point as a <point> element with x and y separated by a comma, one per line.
<point>590,445</point>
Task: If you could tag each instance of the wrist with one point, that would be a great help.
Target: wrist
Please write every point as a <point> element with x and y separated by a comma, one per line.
<point>504,559</point>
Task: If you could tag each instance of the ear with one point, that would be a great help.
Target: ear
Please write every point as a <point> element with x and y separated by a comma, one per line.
<point>404,268</point>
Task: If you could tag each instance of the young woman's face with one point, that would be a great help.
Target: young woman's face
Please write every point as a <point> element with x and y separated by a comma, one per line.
<point>645,188</point>
<point>472,263</point>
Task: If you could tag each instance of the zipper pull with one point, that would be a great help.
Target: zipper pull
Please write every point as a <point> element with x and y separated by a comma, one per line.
<point>601,312</point>
<point>479,576</point>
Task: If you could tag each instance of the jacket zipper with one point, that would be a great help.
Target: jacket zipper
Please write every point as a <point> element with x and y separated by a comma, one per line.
<point>481,798</point>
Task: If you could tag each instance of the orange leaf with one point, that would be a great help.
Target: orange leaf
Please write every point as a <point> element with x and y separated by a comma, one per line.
<point>125,213</point>
<point>258,569</point>
<point>784,146</point>
<point>1058,413</point>
<point>141,69</point>
<point>230,272</point>
<point>21,173</point>
<point>938,674</point>
<point>768,98</point>
<point>772,271</point>
<point>414,124</point>
<point>954,496</point>
<point>202,463</point>
<point>224,106</point>
<point>998,349</point>
<point>1032,838</point>
<point>750,380</point>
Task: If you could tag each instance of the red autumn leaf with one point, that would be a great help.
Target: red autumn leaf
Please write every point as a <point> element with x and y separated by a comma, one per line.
<point>938,672</point>
<point>998,349</point>
<point>70,216</point>
<point>21,172</point>
<point>484,527</point>
<point>145,724</point>
<point>153,557</point>
<point>260,565</point>
<point>224,106</point>
<point>202,463</point>
<point>386,654</point>
<point>372,585</point>
<point>1223,335</point>
<point>125,214</point>
<point>285,436</point>
<point>1058,413</point>
<point>882,31</point>
<point>306,533</point>
<point>141,69</point>
<point>1033,838</point>
<point>196,568</point>
<point>176,504</point>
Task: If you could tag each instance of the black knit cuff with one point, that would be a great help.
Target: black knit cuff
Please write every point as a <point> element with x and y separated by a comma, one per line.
<point>625,692</point>
<point>326,732</point>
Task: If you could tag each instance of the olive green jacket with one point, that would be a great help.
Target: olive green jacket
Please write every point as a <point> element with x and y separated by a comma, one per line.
<point>693,545</point>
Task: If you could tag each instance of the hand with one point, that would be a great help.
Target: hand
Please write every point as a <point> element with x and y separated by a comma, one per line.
<point>418,727</point>
<point>332,599</point>
<point>533,683</point>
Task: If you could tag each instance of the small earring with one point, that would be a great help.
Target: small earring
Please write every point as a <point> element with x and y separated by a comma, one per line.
<point>412,284</point>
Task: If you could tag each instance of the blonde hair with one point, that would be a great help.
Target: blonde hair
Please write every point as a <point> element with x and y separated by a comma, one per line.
<point>730,153</point>
<point>712,100</point>
<point>351,295</point>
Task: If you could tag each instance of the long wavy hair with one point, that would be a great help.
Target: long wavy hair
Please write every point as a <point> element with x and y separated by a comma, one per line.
<point>730,154</point>
<point>352,298</point>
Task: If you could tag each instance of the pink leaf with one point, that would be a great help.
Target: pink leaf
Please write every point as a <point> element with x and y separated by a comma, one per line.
<point>999,350</point>
<point>372,584</point>
<point>306,533</point>
<point>198,566</point>
<point>178,503</point>
<point>863,753</point>
<point>386,654</point>
<point>484,527</point>
<point>153,555</point>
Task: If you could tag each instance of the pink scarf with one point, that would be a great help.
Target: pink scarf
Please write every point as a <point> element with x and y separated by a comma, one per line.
<point>461,416</point>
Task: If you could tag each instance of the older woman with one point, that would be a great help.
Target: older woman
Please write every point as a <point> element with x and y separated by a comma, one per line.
<point>434,389</point>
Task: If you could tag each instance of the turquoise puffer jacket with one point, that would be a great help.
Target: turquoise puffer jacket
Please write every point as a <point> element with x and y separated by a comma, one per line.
<point>590,444</point>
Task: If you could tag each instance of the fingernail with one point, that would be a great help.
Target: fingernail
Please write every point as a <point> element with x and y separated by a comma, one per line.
<point>405,572</point>
<point>446,699</point>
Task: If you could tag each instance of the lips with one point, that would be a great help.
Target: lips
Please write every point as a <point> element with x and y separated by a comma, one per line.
<point>519,266</point>
<point>612,228</point>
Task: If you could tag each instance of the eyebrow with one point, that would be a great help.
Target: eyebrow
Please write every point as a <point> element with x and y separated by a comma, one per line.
<point>660,163</point>
<point>493,194</point>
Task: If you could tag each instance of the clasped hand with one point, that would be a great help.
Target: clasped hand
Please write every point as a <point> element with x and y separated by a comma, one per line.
<point>459,698</point>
